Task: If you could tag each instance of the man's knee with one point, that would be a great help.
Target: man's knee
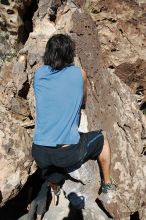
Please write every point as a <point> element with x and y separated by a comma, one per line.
<point>106,149</point>
<point>106,142</point>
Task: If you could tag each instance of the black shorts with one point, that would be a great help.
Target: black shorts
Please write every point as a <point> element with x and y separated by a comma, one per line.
<point>73,156</point>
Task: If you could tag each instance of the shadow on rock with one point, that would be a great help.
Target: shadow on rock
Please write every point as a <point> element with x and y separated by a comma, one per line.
<point>17,207</point>
<point>77,203</point>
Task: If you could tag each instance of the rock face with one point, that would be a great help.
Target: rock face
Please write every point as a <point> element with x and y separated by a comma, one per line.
<point>14,17</point>
<point>15,156</point>
<point>15,141</point>
<point>116,113</point>
<point>121,28</point>
<point>111,104</point>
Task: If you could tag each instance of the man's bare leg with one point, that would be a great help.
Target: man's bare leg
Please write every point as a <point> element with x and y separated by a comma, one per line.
<point>39,217</point>
<point>104,161</point>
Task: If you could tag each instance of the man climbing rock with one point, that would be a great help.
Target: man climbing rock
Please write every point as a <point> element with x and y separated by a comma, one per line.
<point>60,91</point>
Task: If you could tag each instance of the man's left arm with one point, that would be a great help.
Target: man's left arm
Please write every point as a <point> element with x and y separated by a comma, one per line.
<point>84,75</point>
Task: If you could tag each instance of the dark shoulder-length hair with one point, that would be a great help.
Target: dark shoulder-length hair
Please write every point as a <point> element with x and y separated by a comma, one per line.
<point>59,52</point>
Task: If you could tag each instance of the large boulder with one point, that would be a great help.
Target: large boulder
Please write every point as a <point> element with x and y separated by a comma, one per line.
<point>121,30</point>
<point>15,156</point>
<point>112,107</point>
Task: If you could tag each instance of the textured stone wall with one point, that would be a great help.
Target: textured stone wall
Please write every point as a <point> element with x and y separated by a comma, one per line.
<point>121,28</point>
<point>111,106</point>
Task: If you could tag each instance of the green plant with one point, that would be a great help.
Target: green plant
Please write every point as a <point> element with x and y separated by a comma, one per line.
<point>4,34</point>
<point>8,56</point>
<point>144,111</point>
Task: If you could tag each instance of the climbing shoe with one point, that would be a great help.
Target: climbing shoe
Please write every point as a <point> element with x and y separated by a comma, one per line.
<point>107,192</point>
<point>106,187</point>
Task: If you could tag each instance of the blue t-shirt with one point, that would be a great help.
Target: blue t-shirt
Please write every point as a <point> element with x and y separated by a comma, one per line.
<point>58,95</point>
